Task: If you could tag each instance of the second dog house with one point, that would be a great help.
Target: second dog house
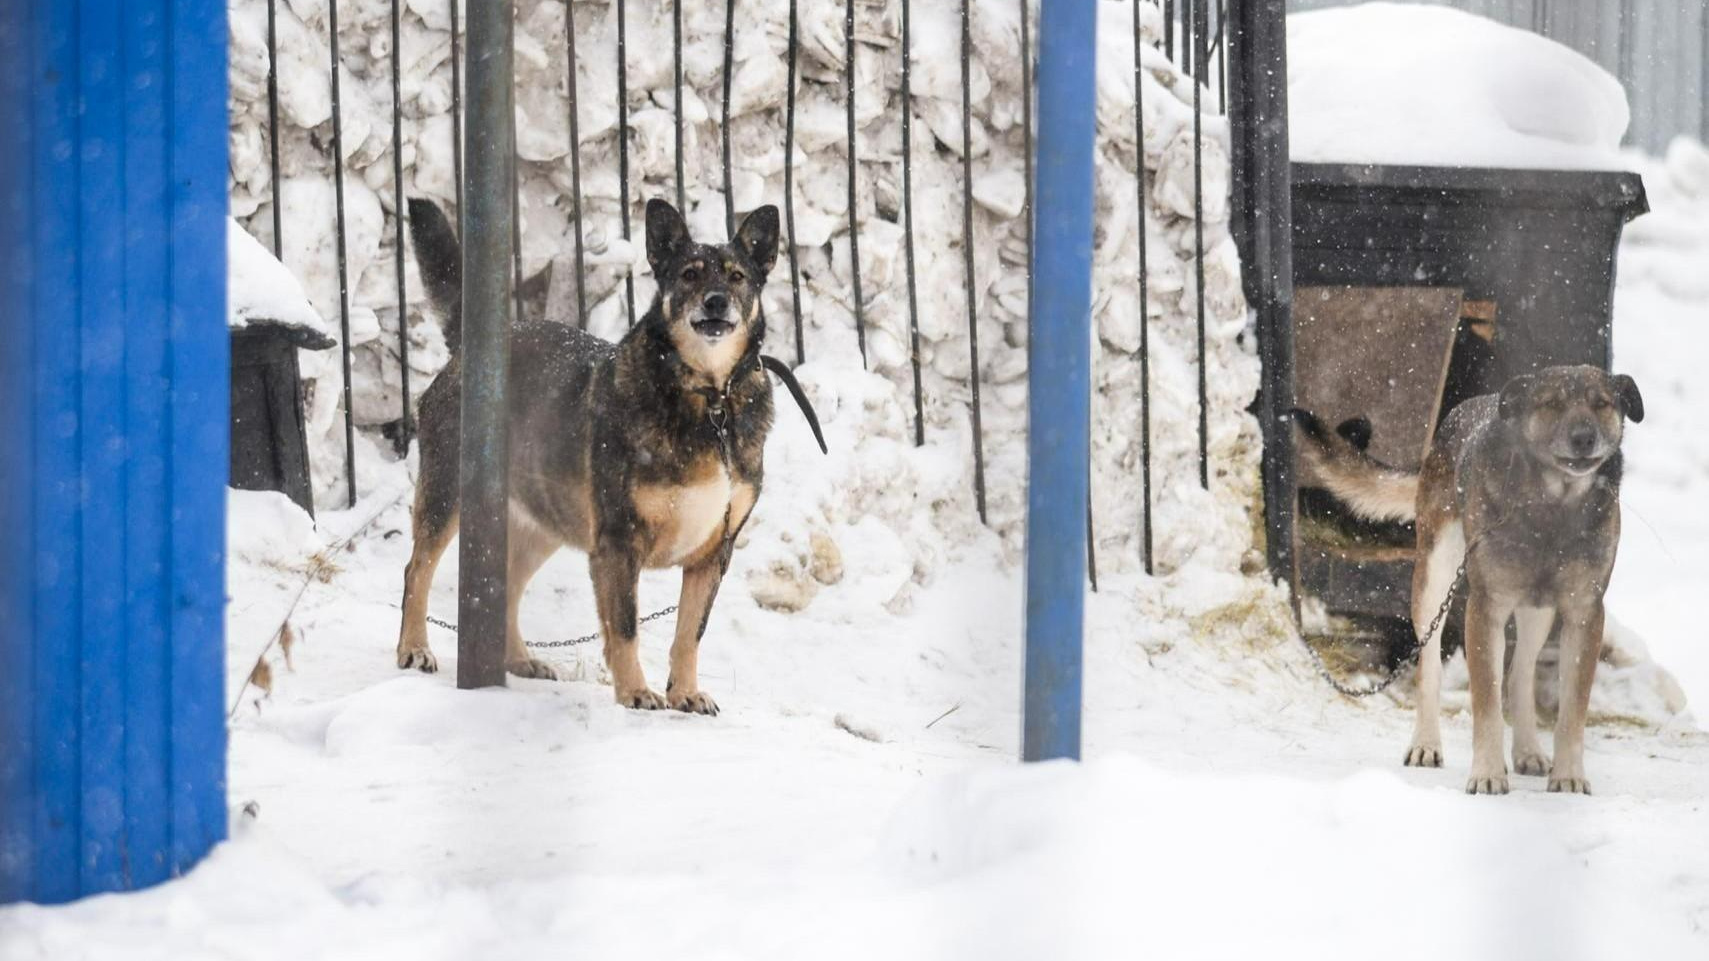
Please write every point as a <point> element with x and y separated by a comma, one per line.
<point>1418,287</point>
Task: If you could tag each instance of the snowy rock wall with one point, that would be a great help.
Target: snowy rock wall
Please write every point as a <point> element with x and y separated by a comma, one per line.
<point>929,490</point>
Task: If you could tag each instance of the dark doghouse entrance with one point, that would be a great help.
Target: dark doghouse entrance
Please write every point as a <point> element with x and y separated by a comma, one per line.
<point>1416,288</point>
<point>1393,361</point>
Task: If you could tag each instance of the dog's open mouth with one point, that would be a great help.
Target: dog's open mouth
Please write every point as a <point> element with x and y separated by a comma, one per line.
<point>712,328</point>
<point>1579,465</point>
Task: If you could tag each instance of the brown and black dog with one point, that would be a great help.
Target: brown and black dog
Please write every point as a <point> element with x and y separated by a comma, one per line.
<point>646,453</point>
<point>1530,480</point>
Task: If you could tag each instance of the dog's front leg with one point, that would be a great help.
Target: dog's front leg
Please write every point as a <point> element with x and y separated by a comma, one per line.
<point>699,589</point>
<point>1581,645</point>
<point>1433,578</point>
<point>616,574</point>
<point>1486,634</point>
<point>1533,625</point>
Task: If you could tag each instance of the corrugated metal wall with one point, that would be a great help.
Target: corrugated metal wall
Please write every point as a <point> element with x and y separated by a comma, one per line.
<point>1658,48</point>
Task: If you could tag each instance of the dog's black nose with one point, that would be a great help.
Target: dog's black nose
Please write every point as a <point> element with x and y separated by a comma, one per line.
<point>1583,439</point>
<point>715,305</point>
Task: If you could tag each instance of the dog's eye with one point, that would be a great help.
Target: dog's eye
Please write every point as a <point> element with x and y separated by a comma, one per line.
<point>1600,403</point>
<point>691,274</point>
<point>737,276</point>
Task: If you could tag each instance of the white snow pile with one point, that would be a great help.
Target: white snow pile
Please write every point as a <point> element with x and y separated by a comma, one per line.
<point>1415,84</point>
<point>871,415</point>
<point>266,527</point>
<point>259,290</point>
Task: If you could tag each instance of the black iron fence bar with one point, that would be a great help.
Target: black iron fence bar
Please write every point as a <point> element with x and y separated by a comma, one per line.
<point>854,178</point>
<point>967,248</point>
<point>515,225</point>
<point>1168,29</point>
<point>343,264</point>
<point>789,185</point>
<point>456,115</point>
<point>623,150</point>
<point>676,97</point>
<point>273,127</point>
<point>1144,295</point>
<point>1199,30</point>
<point>724,117</point>
<point>406,421</point>
<point>908,226</point>
<point>576,165</point>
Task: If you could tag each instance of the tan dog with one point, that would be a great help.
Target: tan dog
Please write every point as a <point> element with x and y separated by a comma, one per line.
<point>1523,489</point>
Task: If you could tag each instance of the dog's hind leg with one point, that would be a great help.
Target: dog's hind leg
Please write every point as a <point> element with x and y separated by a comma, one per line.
<point>1533,625</point>
<point>699,590</point>
<point>434,523</point>
<point>1581,645</point>
<point>530,547</point>
<point>1431,582</point>
<point>616,575</point>
<point>1486,642</point>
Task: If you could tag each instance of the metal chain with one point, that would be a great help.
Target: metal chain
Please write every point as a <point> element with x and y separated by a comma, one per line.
<point>569,642</point>
<point>1419,643</point>
<point>1411,658</point>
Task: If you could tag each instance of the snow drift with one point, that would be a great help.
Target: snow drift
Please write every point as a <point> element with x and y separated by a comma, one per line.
<point>1405,84</point>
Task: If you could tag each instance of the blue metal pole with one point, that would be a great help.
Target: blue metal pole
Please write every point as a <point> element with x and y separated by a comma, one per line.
<point>1059,378</point>
<point>114,386</point>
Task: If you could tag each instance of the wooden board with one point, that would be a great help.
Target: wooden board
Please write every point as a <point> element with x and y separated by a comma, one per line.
<point>1380,353</point>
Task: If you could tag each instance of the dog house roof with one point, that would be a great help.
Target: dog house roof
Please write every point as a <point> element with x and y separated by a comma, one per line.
<point>261,292</point>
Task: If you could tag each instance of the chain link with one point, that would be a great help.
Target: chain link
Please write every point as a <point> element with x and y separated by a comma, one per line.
<point>568,642</point>
<point>1418,645</point>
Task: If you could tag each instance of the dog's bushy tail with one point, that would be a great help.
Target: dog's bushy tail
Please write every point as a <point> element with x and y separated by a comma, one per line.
<point>1337,461</point>
<point>440,258</point>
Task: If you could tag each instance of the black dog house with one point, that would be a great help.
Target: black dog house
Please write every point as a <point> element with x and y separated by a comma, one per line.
<point>1417,287</point>
<point>269,449</point>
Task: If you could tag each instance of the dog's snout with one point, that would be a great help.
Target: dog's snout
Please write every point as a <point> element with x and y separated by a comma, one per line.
<point>1582,437</point>
<point>715,305</point>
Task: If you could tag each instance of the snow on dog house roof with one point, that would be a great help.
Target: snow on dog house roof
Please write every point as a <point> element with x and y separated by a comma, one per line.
<point>1385,83</point>
<point>261,292</point>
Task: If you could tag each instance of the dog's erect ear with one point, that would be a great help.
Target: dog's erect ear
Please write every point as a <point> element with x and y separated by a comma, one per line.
<point>667,234</point>
<point>1626,392</point>
<point>758,238</point>
<point>1515,397</point>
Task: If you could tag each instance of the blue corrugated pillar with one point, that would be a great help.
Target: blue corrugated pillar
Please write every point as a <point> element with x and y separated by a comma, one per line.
<point>114,387</point>
<point>1059,378</point>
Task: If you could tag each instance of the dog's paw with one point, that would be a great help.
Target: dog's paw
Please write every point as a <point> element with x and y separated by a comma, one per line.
<point>694,702</point>
<point>1493,784</point>
<point>532,667</point>
<point>641,699</point>
<point>1569,785</point>
<point>1530,763</point>
<point>418,658</point>
<point>1424,755</point>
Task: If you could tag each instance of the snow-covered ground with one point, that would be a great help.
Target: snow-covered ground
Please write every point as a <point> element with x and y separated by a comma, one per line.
<point>858,796</point>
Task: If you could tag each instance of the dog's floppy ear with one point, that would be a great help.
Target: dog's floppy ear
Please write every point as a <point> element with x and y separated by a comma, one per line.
<point>1356,431</point>
<point>667,234</point>
<point>1515,397</point>
<point>1626,392</point>
<point>758,238</point>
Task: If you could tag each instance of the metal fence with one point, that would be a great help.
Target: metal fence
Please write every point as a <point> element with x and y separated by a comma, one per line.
<point>1193,39</point>
<point>1658,49</point>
